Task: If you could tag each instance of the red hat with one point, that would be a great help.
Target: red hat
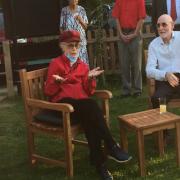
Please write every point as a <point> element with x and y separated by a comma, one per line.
<point>70,36</point>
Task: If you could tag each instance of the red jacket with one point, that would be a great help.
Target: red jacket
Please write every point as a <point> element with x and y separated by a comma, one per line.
<point>76,86</point>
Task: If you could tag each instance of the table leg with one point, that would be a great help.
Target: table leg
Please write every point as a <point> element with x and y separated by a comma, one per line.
<point>123,138</point>
<point>178,143</point>
<point>140,143</point>
<point>160,137</point>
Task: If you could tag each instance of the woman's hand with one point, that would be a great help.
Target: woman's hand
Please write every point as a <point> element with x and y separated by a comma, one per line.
<point>81,21</point>
<point>59,79</point>
<point>95,72</point>
<point>78,18</point>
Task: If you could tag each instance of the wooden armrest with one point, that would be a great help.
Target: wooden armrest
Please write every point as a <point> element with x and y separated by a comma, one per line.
<point>103,94</point>
<point>49,105</point>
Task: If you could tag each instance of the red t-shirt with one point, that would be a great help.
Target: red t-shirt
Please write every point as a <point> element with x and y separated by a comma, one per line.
<point>76,86</point>
<point>129,12</point>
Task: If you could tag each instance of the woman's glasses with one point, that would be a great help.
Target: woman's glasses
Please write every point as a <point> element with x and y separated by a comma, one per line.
<point>73,45</point>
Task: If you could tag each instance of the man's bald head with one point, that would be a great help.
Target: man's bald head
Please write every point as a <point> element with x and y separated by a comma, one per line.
<point>165,27</point>
<point>165,18</point>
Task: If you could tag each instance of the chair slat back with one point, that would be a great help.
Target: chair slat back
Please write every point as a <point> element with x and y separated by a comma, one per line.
<point>33,83</point>
<point>150,81</point>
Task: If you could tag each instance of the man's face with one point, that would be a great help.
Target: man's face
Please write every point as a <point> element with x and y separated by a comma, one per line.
<point>165,27</point>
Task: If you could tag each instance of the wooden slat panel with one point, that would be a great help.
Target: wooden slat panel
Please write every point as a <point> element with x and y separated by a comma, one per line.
<point>41,84</point>
<point>36,88</point>
<point>31,91</point>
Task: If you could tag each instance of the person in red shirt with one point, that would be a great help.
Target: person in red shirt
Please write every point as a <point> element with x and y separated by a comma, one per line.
<point>69,80</point>
<point>129,18</point>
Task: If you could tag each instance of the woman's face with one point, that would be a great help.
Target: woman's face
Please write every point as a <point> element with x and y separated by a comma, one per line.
<point>73,2</point>
<point>71,48</point>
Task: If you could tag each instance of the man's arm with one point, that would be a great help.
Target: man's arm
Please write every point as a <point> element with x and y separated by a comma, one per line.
<point>152,70</point>
<point>139,26</point>
<point>137,30</point>
<point>122,36</point>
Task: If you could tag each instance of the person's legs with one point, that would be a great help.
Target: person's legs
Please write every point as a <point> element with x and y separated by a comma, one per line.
<point>91,118</point>
<point>85,112</point>
<point>88,113</point>
<point>163,89</point>
<point>125,68</point>
<point>136,64</point>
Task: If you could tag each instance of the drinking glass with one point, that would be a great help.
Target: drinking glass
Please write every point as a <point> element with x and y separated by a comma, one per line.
<point>162,105</point>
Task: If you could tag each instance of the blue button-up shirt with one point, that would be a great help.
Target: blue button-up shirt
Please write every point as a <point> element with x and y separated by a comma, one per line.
<point>163,57</point>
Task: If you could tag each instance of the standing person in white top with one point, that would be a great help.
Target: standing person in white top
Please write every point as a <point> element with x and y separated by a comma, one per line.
<point>164,60</point>
<point>171,7</point>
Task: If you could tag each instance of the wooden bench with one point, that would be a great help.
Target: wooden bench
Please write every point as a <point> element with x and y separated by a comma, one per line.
<point>148,122</point>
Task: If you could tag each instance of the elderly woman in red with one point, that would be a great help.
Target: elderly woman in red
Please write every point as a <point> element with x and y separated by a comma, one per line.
<point>70,81</point>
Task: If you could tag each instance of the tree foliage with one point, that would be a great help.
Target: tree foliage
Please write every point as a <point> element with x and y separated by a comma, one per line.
<point>92,4</point>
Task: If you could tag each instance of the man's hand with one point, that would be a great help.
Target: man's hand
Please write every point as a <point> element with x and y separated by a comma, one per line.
<point>128,38</point>
<point>131,36</point>
<point>172,79</point>
<point>124,38</point>
<point>58,78</point>
<point>95,72</point>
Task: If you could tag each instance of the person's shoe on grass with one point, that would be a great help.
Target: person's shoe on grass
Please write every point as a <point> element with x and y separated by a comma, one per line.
<point>104,172</point>
<point>118,155</point>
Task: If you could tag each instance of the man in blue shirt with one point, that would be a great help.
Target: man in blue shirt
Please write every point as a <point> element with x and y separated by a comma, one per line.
<point>163,60</point>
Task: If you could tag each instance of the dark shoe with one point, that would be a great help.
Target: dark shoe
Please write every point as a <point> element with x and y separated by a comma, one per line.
<point>125,96</point>
<point>104,173</point>
<point>117,154</point>
<point>137,94</point>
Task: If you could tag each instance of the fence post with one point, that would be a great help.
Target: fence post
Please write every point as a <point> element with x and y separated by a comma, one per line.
<point>8,68</point>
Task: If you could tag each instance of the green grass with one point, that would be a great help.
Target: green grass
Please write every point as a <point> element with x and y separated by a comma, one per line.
<point>14,158</point>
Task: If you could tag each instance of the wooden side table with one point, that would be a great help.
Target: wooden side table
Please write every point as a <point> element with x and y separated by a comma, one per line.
<point>148,122</point>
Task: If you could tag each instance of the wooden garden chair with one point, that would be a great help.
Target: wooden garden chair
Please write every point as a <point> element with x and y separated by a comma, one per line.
<point>173,103</point>
<point>37,118</point>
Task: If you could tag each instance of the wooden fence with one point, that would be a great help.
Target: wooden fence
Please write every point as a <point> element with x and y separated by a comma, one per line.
<point>110,59</point>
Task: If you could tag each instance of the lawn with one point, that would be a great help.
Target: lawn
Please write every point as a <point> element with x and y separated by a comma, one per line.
<point>13,147</point>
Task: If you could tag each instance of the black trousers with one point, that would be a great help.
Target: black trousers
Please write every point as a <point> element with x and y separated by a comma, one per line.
<point>90,116</point>
<point>164,89</point>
